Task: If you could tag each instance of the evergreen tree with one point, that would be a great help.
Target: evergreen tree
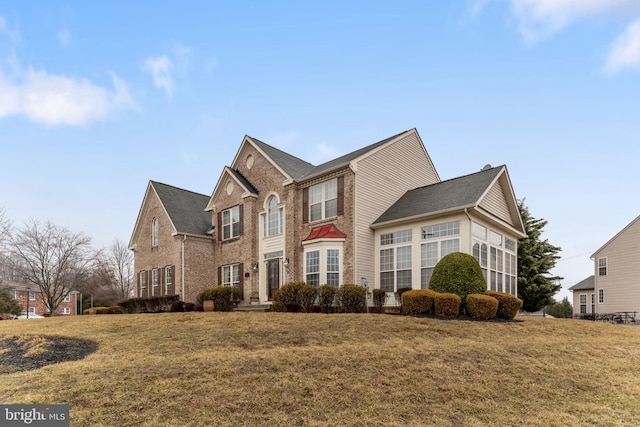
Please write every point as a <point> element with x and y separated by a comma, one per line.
<point>536,257</point>
<point>563,310</point>
<point>8,305</point>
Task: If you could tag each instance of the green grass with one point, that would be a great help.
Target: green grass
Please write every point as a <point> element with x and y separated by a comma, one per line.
<point>197,369</point>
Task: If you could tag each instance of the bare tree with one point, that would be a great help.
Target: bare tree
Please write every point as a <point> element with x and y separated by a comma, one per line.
<point>52,258</point>
<point>120,260</point>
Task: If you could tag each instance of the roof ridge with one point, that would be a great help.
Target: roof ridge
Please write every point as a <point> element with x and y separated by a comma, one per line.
<point>462,176</point>
<point>178,188</point>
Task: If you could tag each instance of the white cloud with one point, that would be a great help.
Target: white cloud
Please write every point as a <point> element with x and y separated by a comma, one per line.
<point>625,50</point>
<point>162,70</point>
<point>60,100</point>
<point>64,37</point>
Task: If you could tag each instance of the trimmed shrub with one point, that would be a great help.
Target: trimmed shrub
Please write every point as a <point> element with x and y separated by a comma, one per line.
<point>189,306</point>
<point>418,301</point>
<point>102,310</point>
<point>481,306</point>
<point>147,304</point>
<point>326,297</point>
<point>294,297</point>
<point>458,273</point>
<point>401,291</point>
<point>379,298</point>
<point>198,307</point>
<point>352,298</point>
<point>114,309</point>
<point>224,298</point>
<point>508,305</point>
<point>177,307</point>
<point>446,305</point>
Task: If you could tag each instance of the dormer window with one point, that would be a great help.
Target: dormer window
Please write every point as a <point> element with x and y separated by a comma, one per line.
<point>154,232</point>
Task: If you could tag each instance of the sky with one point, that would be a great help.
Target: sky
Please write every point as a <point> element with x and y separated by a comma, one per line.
<point>98,98</point>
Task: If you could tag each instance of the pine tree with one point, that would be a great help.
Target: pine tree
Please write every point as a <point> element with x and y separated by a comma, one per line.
<point>536,257</point>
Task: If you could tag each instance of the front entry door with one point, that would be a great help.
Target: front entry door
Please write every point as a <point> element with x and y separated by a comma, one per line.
<point>273,276</point>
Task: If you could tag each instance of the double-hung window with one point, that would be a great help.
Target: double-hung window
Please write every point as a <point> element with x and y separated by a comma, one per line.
<point>143,283</point>
<point>583,304</point>
<point>231,223</point>
<point>155,281</point>
<point>323,200</point>
<point>438,240</point>
<point>231,275</point>
<point>602,266</point>
<point>322,266</point>
<point>395,260</point>
<point>600,296</point>
<point>168,280</point>
<point>66,310</point>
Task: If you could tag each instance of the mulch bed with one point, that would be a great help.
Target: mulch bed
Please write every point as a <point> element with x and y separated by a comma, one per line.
<point>13,358</point>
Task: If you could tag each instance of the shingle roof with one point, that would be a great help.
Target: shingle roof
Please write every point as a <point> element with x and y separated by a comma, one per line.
<point>293,166</point>
<point>343,160</point>
<point>185,208</point>
<point>245,182</point>
<point>446,195</point>
<point>588,283</point>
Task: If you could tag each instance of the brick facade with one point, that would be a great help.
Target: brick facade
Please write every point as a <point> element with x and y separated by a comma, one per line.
<point>36,303</point>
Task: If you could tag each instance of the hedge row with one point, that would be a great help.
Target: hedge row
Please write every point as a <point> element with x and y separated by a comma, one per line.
<point>298,296</point>
<point>479,306</point>
<point>114,309</point>
<point>148,304</point>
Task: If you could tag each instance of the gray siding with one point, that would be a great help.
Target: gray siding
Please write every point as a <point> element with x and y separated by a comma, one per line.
<point>621,285</point>
<point>381,178</point>
<point>496,203</point>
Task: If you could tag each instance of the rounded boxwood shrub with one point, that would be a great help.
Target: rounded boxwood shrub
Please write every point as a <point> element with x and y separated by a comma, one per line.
<point>102,310</point>
<point>224,298</point>
<point>508,305</point>
<point>446,305</point>
<point>352,298</point>
<point>294,297</point>
<point>481,306</point>
<point>418,301</point>
<point>114,309</point>
<point>326,297</point>
<point>458,273</point>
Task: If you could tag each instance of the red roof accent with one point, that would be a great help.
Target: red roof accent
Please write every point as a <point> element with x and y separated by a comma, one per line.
<point>329,231</point>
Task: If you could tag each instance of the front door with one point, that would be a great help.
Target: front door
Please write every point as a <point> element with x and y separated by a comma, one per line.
<point>273,276</point>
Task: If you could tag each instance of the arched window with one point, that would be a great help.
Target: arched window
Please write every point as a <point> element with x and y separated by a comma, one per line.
<point>273,219</point>
<point>154,232</point>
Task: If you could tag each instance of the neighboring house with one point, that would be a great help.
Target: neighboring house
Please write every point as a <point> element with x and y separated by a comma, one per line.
<point>172,243</point>
<point>31,300</point>
<point>584,301</point>
<point>277,218</point>
<point>617,272</point>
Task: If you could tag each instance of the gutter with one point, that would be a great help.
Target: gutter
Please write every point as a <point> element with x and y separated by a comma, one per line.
<point>184,238</point>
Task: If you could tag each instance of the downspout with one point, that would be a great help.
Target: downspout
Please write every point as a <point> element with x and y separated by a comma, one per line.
<point>184,238</point>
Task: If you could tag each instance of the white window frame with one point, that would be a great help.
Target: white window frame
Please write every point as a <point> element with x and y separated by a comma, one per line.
<point>273,217</point>
<point>32,296</point>
<point>396,260</point>
<point>154,232</point>
<point>155,282</point>
<point>583,303</point>
<point>438,240</point>
<point>498,259</point>
<point>600,296</point>
<point>231,223</point>
<point>324,197</point>
<point>67,298</point>
<point>231,275</point>
<point>143,283</point>
<point>328,268</point>
<point>603,266</point>
<point>168,280</point>
<point>32,310</point>
<point>66,310</point>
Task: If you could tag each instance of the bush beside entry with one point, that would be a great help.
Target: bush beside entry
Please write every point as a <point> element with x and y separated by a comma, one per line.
<point>459,274</point>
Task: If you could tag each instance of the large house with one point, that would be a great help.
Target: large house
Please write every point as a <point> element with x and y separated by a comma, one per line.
<point>379,216</point>
<point>615,285</point>
<point>32,301</point>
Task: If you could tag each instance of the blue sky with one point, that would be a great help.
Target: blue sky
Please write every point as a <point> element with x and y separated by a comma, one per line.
<point>97,99</point>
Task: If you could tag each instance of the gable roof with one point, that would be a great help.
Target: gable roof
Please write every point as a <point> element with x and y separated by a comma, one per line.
<point>291,165</point>
<point>249,189</point>
<point>184,209</point>
<point>349,157</point>
<point>616,236</point>
<point>588,283</point>
<point>453,194</point>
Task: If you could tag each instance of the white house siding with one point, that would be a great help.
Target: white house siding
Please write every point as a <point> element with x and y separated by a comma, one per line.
<point>621,285</point>
<point>496,203</point>
<point>589,296</point>
<point>380,179</point>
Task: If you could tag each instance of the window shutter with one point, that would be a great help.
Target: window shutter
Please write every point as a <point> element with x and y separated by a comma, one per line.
<point>219,226</point>
<point>219,276</point>
<point>138,290</point>
<point>305,205</point>
<point>341,195</point>
<point>163,284</point>
<point>241,218</point>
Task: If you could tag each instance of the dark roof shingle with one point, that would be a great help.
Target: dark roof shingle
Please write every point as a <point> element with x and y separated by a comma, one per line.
<point>185,208</point>
<point>588,283</point>
<point>446,195</point>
